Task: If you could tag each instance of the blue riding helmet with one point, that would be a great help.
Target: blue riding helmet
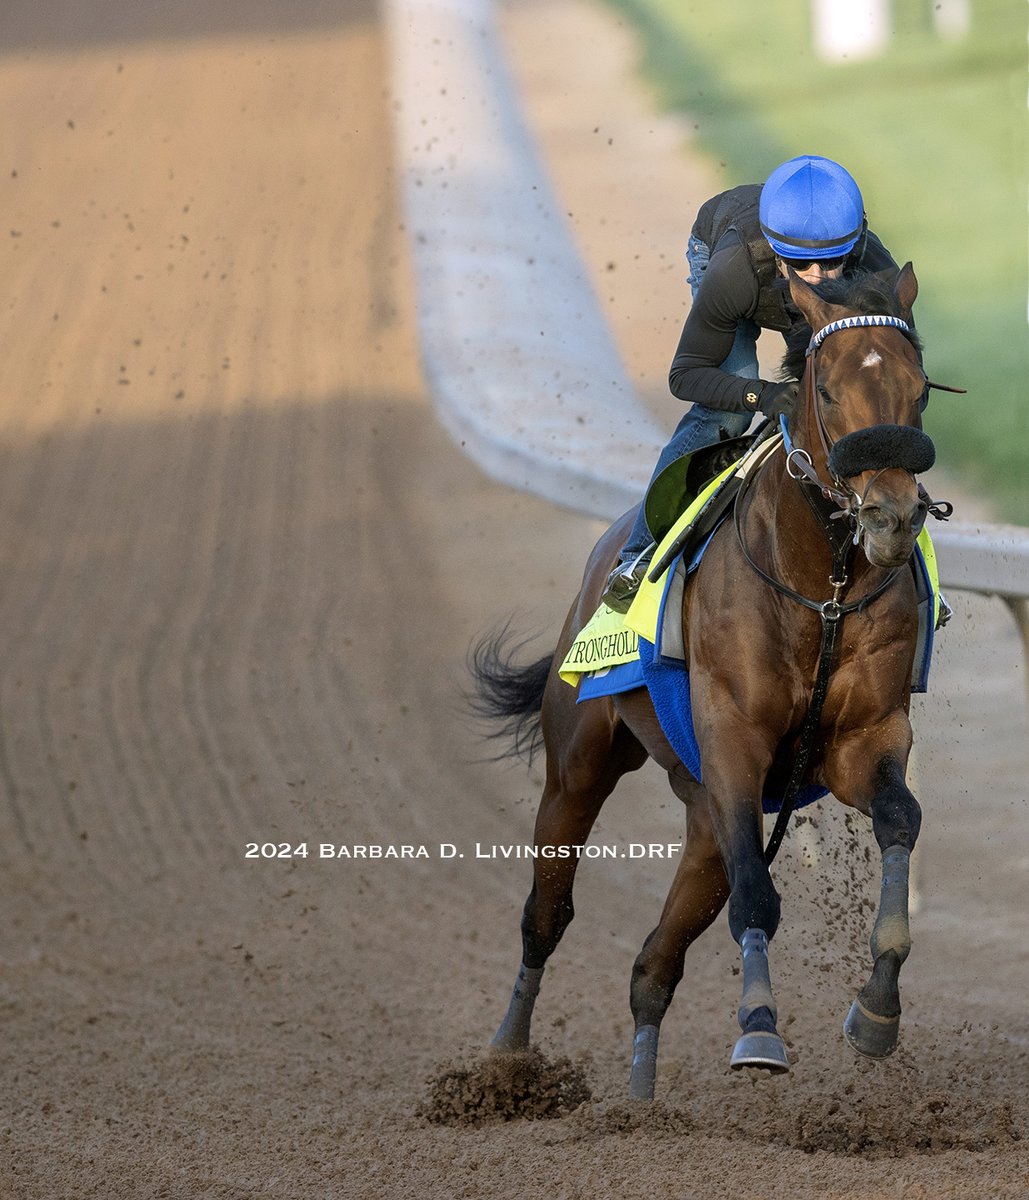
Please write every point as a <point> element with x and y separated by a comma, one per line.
<point>811,208</point>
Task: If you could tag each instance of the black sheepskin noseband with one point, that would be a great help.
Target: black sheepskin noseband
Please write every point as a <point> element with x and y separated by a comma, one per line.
<point>880,447</point>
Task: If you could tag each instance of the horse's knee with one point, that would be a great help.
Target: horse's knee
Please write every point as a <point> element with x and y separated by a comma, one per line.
<point>896,814</point>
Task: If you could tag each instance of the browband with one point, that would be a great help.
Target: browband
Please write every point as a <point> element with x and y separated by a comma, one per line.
<point>853,323</point>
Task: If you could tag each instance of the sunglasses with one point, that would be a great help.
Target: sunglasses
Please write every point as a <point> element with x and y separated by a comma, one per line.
<point>804,264</point>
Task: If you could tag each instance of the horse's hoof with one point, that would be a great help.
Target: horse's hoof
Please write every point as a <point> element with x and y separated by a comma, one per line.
<point>765,1051</point>
<point>871,1035</point>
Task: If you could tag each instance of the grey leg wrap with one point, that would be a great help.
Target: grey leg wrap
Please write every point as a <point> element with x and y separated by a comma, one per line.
<point>757,984</point>
<point>873,1023</point>
<point>760,1046</point>
<point>644,1063</point>
<point>513,1033</point>
<point>891,930</point>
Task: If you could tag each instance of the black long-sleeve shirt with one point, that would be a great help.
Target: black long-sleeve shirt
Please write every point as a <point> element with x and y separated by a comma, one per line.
<point>728,293</point>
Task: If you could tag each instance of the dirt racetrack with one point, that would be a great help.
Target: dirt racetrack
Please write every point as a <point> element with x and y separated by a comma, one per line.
<point>240,569</point>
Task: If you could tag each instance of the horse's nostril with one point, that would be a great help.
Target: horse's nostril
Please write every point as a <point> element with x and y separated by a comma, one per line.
<point>882,520</point>
<point>876,520</point>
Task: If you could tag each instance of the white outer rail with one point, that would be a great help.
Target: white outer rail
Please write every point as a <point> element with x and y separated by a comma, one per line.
<point>991,559</point>
<point>975,557</point>
<point>517,355</point>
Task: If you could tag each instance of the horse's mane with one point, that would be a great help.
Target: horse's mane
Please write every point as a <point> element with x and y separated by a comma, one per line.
<point>862,292</point>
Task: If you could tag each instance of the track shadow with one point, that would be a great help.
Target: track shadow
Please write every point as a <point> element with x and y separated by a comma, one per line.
<point>72,24</point>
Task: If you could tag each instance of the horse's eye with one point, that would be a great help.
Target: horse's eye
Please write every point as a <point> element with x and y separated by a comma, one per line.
<point>824,393</point>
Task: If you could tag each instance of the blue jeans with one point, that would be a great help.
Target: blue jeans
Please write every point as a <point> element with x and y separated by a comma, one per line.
<point>701,426</point>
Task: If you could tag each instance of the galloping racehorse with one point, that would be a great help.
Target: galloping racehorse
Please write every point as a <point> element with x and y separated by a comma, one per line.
<point>808,590</point>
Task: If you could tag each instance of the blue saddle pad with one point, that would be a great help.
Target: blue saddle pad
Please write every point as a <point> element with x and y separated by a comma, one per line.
<point>668,682</point>
<point>625,677</point>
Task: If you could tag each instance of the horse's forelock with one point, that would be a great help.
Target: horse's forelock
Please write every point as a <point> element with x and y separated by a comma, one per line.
<point>861,293</point>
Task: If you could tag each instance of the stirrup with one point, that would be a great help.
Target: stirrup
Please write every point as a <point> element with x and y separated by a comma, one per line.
<point>624,581</point>
<point>946,612</point>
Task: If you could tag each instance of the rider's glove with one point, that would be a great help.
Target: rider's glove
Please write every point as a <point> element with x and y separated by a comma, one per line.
<point>776,398</point>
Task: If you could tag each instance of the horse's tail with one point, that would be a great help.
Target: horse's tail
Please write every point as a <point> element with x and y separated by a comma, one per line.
<point>509,693</point>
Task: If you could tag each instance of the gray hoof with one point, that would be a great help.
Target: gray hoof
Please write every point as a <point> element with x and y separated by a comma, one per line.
<point>870,1035</point>
<point>766,1051</point>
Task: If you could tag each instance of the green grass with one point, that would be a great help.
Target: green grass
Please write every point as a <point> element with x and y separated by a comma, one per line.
<point>936,134</point>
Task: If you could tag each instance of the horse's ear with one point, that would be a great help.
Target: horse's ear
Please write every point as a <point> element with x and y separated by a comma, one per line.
<point>905,288</point>
<point>815,310</point>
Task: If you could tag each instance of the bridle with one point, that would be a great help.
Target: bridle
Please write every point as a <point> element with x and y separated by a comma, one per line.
<point>839,490</point>
<point>913,452</point>
<point>800,467</point>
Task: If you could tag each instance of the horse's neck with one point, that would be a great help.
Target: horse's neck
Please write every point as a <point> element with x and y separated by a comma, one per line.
<point>806,545</point>
<point>798,546</point>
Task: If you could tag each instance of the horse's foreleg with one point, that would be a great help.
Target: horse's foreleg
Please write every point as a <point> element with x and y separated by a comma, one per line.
<point>753,920</point>
<point>873,1023</point>
<point>697,895</point>
<point>754,909</point>
<point>737,746</point>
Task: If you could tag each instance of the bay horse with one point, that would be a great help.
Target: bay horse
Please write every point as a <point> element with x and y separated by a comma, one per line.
<point>814,568</point>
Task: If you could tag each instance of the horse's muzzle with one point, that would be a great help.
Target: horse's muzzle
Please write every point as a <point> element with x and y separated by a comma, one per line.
<point>888,525</point>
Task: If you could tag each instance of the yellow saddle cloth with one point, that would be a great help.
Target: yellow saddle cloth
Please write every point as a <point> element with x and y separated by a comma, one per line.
<point>611,638</point>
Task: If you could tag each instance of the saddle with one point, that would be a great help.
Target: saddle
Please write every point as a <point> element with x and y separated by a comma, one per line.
<point>682,483</point>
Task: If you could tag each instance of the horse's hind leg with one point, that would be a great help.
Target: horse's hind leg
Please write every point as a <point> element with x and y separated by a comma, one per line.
<point>581,773</point>
<point>698,893</point>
